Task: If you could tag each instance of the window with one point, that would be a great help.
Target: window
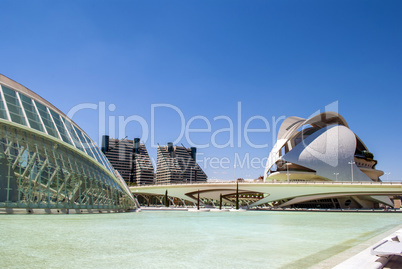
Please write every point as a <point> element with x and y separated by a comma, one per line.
<point>3,112</point>
<point>31,113</point>
<point>73,135</point>
<point>62,131</point>
<point>14,106</point>
<point>47,120</point>
<point>84,143</point>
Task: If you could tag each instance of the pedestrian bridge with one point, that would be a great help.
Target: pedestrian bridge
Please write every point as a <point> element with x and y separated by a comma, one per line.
<point>291,193</point>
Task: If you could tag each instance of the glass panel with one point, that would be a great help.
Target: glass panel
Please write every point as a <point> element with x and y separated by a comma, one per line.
<point>83,141</point>
<point>103,161</point>
<point>3,112</point>
<point>31,113</point>
<point>102,177</point>
<point>106,161</point>
<point>62,131</point>
<point>89,142</point>
<point>47,120</point>
<point>14,106</point>
<point>108,180</point>
<point>96,150</point>
<point>73,135</point>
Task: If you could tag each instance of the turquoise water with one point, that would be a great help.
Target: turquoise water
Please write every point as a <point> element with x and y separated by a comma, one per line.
<point>184,239</point>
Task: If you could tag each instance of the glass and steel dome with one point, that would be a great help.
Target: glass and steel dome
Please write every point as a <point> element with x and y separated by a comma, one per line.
<point>48,161</point>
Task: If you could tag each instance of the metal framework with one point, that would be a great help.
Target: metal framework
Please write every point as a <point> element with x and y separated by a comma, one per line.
<point>47,161</point>
<point>43,173</point>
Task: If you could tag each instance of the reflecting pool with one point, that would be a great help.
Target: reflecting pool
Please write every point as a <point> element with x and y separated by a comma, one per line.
<point>184,239</point>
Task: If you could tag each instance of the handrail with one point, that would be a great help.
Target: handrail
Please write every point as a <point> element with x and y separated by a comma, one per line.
<point>279,183</point>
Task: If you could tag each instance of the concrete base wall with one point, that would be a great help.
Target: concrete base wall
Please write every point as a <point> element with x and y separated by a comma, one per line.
<point>58,211</point>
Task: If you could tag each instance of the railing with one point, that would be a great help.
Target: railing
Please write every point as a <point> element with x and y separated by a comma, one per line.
<point>278,183</point>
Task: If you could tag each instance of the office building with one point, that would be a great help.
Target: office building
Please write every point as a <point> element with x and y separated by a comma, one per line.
<point>177,164</point>
<point>130,158</point>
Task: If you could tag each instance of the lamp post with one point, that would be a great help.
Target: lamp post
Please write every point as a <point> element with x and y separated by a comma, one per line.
<point>191,175</point>
<point>287,171</point>
<point>387,176</point>
<point>336,176</point>
<point>351,167</point>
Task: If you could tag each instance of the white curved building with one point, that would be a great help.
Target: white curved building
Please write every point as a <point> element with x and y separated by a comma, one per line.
<point>316,163</point>
<point>321,148</point>
<point>48,162</point>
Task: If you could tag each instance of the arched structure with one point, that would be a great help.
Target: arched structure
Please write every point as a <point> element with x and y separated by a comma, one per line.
<point>282,194</point>
<point>316,163</point>
<point>318,149</point>
<point>47,161</point>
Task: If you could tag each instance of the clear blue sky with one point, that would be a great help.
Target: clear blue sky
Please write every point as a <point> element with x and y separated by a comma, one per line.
<point>278,58</point>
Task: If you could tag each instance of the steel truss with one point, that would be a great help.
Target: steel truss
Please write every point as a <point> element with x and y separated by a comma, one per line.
<point>37,171</point>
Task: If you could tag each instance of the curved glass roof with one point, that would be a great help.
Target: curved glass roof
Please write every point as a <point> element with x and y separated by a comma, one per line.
<point>26,108</point>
